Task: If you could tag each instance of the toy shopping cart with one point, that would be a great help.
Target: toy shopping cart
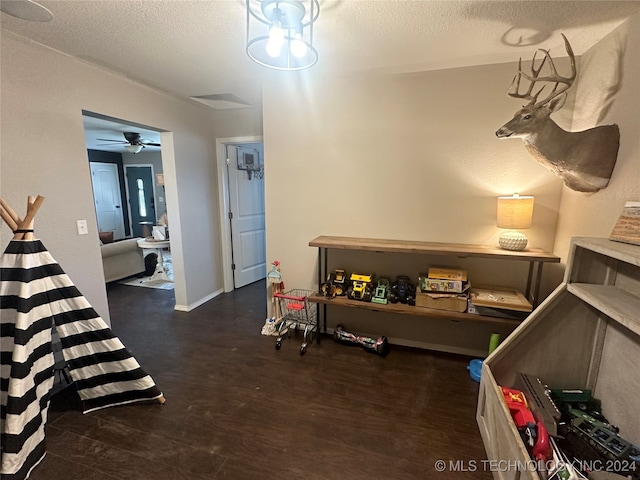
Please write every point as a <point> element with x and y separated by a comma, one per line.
<point>297,314</point>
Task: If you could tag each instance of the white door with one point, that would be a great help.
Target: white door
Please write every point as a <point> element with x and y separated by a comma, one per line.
<point>107,199</point>
<point>246,201</point>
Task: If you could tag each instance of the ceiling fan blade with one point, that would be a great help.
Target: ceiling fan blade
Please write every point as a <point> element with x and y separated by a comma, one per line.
<point>132,137</point>
<point>149,144</point>
<point>109,140</point>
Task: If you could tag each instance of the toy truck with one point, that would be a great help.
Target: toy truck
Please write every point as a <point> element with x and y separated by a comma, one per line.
<point>403,291</point>
<point>381,294</point>
<point>361,287</point>
<point>340,282</point>
<point>335,284</point>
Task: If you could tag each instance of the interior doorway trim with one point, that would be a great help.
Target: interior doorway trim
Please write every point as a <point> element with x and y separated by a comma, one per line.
<point>223,197</point>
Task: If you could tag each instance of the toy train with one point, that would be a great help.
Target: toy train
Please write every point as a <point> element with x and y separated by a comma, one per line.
<point>587,436</point>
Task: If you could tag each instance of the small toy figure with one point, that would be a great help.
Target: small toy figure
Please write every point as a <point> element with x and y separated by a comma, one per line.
<point>274,279</point>
<point>274,275</point>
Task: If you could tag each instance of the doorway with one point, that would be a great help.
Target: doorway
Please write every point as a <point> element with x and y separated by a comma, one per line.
<point>242,210</point>
<point>107,198</point>
<point>131,155</point>
<point>141,194</point>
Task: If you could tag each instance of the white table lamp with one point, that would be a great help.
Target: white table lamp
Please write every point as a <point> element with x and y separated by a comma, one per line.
<point>514,213</point>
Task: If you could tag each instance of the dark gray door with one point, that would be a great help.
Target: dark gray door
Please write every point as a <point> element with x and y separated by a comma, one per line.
<point>141,200</point>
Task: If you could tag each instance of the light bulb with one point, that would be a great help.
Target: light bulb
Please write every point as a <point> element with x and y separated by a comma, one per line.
<point>298,47</point>
<point>276,39</point>
<point>273,49</point>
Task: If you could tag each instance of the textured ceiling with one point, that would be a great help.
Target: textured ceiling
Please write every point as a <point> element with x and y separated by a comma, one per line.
<point>196,48</point>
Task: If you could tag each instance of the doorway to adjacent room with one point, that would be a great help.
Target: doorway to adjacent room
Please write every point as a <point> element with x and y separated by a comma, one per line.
<point>141,194</point>
<point>241,188</point>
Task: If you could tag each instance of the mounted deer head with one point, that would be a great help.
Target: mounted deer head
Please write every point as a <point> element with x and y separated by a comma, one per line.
<point>584,160</point>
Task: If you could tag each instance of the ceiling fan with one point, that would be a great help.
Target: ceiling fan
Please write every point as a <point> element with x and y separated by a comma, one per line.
<point>134,143</point>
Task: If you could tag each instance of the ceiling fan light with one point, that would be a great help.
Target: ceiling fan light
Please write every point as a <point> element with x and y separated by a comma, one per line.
<point>134,148</point>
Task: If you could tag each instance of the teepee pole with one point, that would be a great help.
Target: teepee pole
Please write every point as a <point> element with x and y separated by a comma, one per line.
<point>33,204</point>
<point>22,229</point>
<point>10,217</point>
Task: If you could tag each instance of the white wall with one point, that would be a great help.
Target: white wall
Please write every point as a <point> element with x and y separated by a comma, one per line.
<point>608,86</point>
<point>415,157</point>
<point>410,157</point>
<point>43,152</point>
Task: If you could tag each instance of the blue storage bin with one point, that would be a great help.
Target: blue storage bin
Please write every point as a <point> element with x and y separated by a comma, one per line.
<point>475,369</point>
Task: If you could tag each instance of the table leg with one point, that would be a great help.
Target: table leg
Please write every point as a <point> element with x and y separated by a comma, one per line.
<point>527,292</point>
<point>536,291</point>
<point>324,307</point>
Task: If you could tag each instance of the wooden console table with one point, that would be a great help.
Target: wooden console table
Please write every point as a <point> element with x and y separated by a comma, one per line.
<point>535,256</point>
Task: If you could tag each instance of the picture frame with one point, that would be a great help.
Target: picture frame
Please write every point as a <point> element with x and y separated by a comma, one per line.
<point>627,228</point>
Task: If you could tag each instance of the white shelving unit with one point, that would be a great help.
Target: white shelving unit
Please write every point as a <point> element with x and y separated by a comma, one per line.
<point>586,334</point>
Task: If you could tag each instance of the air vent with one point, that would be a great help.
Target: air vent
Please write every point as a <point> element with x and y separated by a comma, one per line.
<point>222,101</point>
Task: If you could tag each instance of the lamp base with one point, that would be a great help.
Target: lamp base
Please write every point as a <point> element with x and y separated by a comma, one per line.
<point>512,240</point>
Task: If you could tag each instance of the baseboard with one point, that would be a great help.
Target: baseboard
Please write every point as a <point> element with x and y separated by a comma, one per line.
<point>439,348</point>
<point>193,306</point>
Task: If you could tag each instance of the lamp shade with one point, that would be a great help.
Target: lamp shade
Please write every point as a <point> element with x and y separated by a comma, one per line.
<point>133,148</point>
<point>515,212</point>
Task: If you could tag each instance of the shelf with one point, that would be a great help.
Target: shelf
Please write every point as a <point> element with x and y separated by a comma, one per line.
<point>624,252</point>
<point>400,308</point>
<point>585,335</point>
<point>616,303</point>
<point>432,248</point>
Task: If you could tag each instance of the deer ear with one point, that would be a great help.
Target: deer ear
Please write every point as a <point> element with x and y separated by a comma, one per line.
<point>557,103</point>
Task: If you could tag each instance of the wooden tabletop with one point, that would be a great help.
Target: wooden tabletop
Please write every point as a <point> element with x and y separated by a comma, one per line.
<point>433,248</point>
<point>150,242</point>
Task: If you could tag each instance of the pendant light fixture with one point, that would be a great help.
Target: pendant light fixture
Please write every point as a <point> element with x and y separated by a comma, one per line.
<point>280,33</point>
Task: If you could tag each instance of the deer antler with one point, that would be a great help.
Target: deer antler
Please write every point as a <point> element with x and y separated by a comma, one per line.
<point>515,84</point>
<point>558,89</point>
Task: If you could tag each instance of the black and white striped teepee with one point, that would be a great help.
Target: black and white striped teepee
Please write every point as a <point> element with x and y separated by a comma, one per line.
<point>35,297</point>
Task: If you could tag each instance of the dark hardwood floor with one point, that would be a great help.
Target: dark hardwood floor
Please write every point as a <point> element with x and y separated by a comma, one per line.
<point>238,409</point>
